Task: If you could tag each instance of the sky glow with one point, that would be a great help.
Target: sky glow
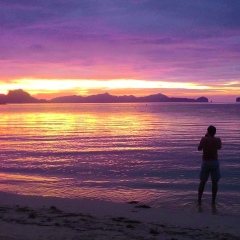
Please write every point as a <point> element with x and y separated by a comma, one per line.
<point>177,48</point>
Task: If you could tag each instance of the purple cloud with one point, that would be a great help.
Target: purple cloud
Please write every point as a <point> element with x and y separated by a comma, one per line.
<point>154,40</point>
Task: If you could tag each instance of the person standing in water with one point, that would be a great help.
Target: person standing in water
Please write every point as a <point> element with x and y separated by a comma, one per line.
<point>210,164</point>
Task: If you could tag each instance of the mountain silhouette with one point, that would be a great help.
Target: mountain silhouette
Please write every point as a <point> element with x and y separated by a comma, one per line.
<point>108,98</point>
<point>238,99</point>
<point>20,96</point>
<point>3,99</point>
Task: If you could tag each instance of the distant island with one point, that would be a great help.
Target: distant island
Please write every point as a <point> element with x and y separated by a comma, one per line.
<point>20,96</point>
<point>238,99</point>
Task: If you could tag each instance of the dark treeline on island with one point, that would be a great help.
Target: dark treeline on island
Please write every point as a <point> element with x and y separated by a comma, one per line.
<point>238,99</point>
<point>20,96</point>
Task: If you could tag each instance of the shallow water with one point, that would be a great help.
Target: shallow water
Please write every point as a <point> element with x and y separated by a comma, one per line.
<point>118,152</point>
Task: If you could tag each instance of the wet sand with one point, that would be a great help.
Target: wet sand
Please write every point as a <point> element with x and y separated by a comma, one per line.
<point>31,217</point>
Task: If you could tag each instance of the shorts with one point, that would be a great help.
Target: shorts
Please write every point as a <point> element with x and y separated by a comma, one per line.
<point>210,167</point>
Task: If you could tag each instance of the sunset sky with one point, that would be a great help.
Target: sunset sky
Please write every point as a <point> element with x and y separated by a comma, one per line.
<point>180,48</point>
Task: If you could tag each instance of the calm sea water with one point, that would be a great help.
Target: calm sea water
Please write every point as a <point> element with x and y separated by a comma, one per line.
<point>119,152</point>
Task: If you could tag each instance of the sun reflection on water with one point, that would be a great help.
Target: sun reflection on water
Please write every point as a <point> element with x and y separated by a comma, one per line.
<point>118,152</point>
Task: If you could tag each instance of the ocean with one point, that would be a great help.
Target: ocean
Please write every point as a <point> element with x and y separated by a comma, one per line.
<point>145,152</point>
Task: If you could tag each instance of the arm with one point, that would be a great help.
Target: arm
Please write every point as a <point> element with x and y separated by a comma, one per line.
<point>200,146</point>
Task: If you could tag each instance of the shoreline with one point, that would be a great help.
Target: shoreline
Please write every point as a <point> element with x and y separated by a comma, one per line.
<point>36,217</point>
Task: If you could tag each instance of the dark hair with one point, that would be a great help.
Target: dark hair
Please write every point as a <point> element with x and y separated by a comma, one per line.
<point>212,130</point>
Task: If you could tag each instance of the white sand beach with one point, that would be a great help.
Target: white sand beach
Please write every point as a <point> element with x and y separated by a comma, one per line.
<point>32,217</point>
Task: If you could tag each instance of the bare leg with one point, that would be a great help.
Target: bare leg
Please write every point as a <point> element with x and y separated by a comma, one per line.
<point>200,191</point>
<point>214,192</point>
